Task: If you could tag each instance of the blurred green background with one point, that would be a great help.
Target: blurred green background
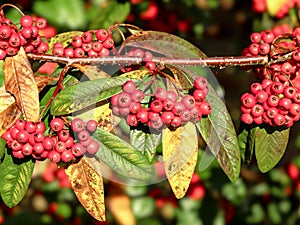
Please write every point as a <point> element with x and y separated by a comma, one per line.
<point>218,28</point>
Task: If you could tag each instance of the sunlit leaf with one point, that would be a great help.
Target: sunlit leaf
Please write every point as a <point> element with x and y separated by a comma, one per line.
<point>2,149</point>
<point>270,145</point>
<point>135,74</point>
<point>87,183</point>
<point>15,178</point>
<point>180,151</point>
<point>20,82</point>
<point>122,157</point>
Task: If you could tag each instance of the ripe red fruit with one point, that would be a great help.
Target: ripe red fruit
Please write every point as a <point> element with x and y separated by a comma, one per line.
<point>167,117</point>
<point>78,149</point>
<point>91,125</point>
<point>205,108</point>
<point>22,136</point>
<point>69,142</point>
<point>156,106</point>
<point>178,108</point>
<point>14,132</point>
<point>137,95</point>
<point>48,143</point>
<point>60,147</point>
<point>261,96</point>
<point>18,154</point>
<point>26,21</point>
<point>108,43</point>
<point>200,83</point>
<point>93,147</point>
<point>257,110</point>
<point>132,120</point>
<point>124,100</point>
<point>5,31</point>
<point>63,135</point>
<point>196,192</point>
<point>135,107</point>
<point>142,116</point>
<point>77,125</point>
<point>199,95</point>
<point>160,93</point>
<point>87,37</point>
<point>27,149</point>
<point>101,34</point>
<point>293,171</point>
<point>150,66</point>
<point>38,148</point>
<point>20,124</point>
<point>176,122</point>
<point>67,156</point>
<point>168,104</point>
<point>30,127</point>
<point>285,103</point>
<point>172,95</point>
<point>57,124</point>
<point>40,127</point>
<point>248,100</point>
<point>279,120</point>
<point>41,23</point>
<point>277,88</point>
<point>289,92</point>
<point>54,156</point>
<point>247,118</point>
<point>38,137</point>
<point>83,135</point>
<point>188,101</point>
<point>16,146</point>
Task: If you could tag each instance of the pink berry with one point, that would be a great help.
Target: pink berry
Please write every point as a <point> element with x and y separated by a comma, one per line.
<point>57,124</point>
<point>129,87</point>
<point>93,147</point>
<point>91,125</point>
<point>77,125</point>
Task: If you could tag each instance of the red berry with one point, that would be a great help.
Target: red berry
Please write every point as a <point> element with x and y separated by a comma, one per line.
<point>129,86</point>
<point>14,40</point>
<point>185,116</point>
<point>248,100</point>
<point>272,112</point>
<point>60,147</point>
<point>14,132</point>
<point>91,125</point>
<point>41,23</point>
<point>76,41</point>
<point>295,109</point>
<point>279,120</point>
<point>168,104</point>
<point>285,103</point>
<point>30,127</point>
<point>16,146</point>
<point>142,116</point>
<point>167,117</point>
<point>132,120</point>
<point>273,100</point>
<point>255,37</point>
<point>293,171</point>
<point>67,156</point>
<point>70,142</point>
<point>63,135</point>
<point>135,107</point>
<point>57,124</point>
<point>78,149</point>
<point>277,88</point>
<point>83,135</point>
<point>176,122</point>
<point>68,52</point>
<point>101,34</point>
<point>26,21</point>
<point>160,93</point>
<point>156,106</point>
<point>18,154</point>
<point>264,49</point>
<point>172,95</point>
<point>200,83</point>
<point>261,96</point>
<point>137,95</point>
<point>38,148</point>
<point>20,124</point>
<point>87,37</point>
<point>289,92</point>
<point>108,43</point>
<point>5,31</point>
<point>97,46</point>
<point>48,143</point>
<point>188,101</point>
<point>22,136</point>
<point>199,95</point>
<point>267,36</point>
<point>205,108</point>
<point>124,100</point>
<point>40,127</point>
<point>54,156</point>
<point>27,149</point>
<point>2,54</point>
<point>77,125</point>
<point>151,66</point>
<point>257,110</point>
<point>178,108</point>
<point>247,118</point>
<point>93,147</point>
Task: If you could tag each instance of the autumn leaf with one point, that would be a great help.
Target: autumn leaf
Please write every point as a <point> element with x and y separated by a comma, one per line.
<point>20,82</point>
<point>91,71</point>
<point>180,151</point>
<point>87,184</point>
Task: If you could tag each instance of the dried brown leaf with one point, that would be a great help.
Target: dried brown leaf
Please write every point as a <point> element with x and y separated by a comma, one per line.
<point>20,82</point>
<point>87,183</point>
<point>42,81</point>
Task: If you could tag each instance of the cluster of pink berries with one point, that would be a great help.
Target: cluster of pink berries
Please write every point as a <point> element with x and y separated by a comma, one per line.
<point>146,55</point>
<point>271,102</point>
<point>164,109</point>
<point>260,6</point>
<point>12,37</point>
<point>89,44</point>
<point>26,138</point>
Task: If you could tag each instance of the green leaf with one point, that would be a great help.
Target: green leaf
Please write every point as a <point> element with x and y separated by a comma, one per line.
<point>145,142</point>
<point>270,145</point>
<point>85,94</point>
<point>15,176</point>
<point>219,134</point>
<point>246,140</point>
<point>111,12</point>
<point>122,157</point>
<point>62,13</point>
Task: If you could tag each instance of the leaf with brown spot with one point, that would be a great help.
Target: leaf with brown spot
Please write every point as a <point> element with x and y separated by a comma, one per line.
<point>180,151</point>
<point>87,183</point>
<point>91,71</point>
<point>20,82</point>
<point>42,81</point>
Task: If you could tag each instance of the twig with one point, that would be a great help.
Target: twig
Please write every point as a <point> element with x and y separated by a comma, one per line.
<point>220,62</point>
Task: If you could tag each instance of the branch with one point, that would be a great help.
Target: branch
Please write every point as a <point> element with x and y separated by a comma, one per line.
<point>220,62</point>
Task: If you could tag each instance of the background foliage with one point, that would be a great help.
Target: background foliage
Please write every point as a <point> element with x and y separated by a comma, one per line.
<point>217,27</point>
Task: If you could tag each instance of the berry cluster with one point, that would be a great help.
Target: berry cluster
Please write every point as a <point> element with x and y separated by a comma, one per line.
<point>26,138</point>
<point>89,44</point>
<point>147,58</point>
<point>260,6</point>
<point>272,102</point>
<point>12,37</point>
<point>164,107</point>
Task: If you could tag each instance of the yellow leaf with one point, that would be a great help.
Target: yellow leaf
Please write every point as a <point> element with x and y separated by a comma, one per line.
<point>87,183</point>
<point>135,74</point>
<point>180,151</point>
<point>91,71</point>
<point>273,6</point>
<point>20,82</point>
